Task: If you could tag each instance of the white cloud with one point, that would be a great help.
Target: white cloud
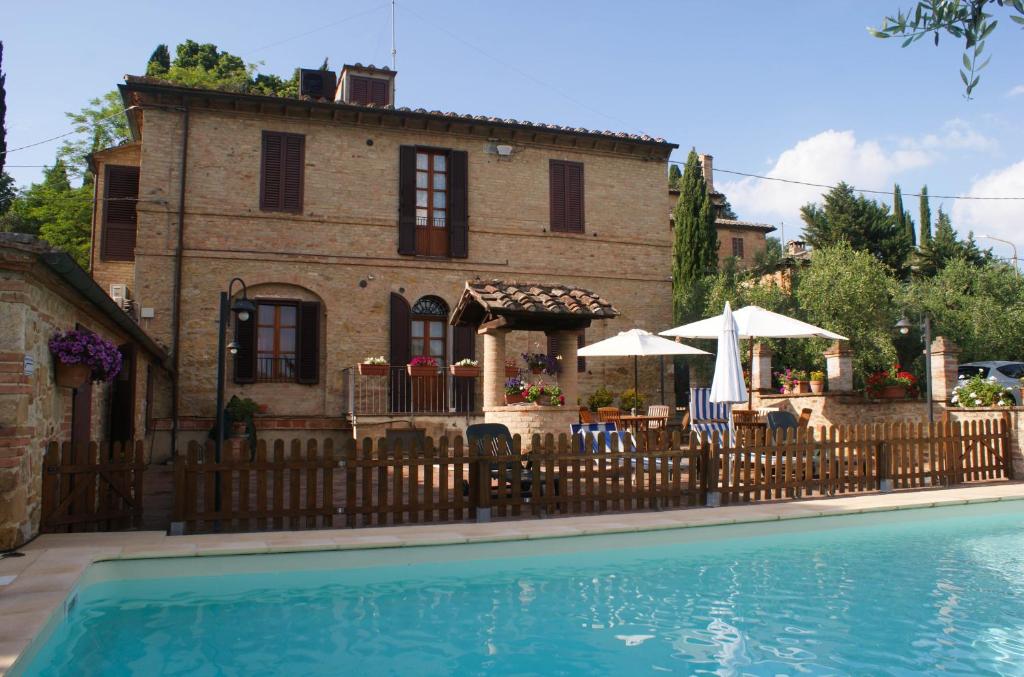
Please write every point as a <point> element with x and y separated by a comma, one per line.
<point>833,156</point>
<point>1016,91</point>
<point>826,158</point>
<point>1001,218</point>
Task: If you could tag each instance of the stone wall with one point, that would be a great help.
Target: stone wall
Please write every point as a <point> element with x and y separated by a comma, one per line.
<point>34,305</point>
<point>527,420</point>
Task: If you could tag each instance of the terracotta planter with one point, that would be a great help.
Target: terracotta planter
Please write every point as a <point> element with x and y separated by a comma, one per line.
<point>803,387</point>
<point>817,387</point>
<point>72,375</point>
<point>420,371</point>
<point>511,371</point>
<point>515,398</point>
<point>238,429</point>
<point>536,370</point>
<point>373,370</point>
<point>464,372</point>
<point>893,393</point>
<point>787,389</point>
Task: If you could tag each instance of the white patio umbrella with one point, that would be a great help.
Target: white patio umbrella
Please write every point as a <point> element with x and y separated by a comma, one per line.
<point>727,384</point>
<point>754,322</point>
<point>637,343</point>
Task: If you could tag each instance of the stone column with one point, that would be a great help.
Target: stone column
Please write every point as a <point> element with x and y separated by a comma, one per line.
<point>839,367</point>
<point>945,360</point>
<point>568,378</point>
<point>494,367</point>
<point>761,376</point>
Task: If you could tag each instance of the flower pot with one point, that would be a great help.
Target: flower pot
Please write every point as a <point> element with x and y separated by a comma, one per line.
<point>514,398</point>
<point>262,408</point>
<point>511,371</point>
<point>893,393</point>
<point>72,375</point>
<point>238,428</point>
<point>787,389</point>
<point>373,370</point>
<point>817,387</point>
<point>803,387</point>
<point>464,372</point>
<point>536,370</point>
<point>421,371</point>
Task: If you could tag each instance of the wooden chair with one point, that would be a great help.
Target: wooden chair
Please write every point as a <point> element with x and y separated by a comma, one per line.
<point>805,419</point>
<point>586,416</point>
<point>610,415</point>
<point>662,411</point>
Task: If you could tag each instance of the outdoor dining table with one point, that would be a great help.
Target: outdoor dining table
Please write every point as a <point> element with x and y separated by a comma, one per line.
<point>638,423</point>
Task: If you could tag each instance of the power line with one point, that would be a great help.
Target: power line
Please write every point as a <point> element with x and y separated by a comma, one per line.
<point>859,190</point>
<point>318,28</point>
<point>76,130</point>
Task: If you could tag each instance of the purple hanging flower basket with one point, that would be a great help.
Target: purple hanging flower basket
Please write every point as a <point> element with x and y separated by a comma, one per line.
<point>84,348</point>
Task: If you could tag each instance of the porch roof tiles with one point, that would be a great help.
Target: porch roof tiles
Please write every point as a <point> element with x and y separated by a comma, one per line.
<point>519,305</point>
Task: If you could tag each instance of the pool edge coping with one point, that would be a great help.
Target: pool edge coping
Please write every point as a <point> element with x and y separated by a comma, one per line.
<point>69,562</point>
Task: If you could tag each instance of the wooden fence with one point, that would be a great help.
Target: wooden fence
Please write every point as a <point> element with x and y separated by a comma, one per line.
<point>87,487</point>
<point>358,484</point>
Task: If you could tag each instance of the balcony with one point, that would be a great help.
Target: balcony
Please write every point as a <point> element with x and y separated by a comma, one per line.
<point>395,393</point>
<point>276,369</point>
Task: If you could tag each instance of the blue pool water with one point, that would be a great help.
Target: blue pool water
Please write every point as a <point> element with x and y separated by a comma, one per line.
<point>922,591</point>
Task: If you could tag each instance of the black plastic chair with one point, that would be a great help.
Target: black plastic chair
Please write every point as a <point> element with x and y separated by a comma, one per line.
<point>781,420</point>
<point>495,439</point>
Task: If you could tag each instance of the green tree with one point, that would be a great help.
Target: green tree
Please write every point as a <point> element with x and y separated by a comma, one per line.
<point>55,211</point>
<point>903,221</point>
<point>926,219</point>
<point>101,124</point>
<point>674,174</point>
<point>851,292</point>
<point>945,246</point>
<point>966,20</point>
<point>159,61</point>
<point>695,247</point>
<point>771,255</point>
<point>980,307</point>
<point>865,224</point>
<point>3,114</point>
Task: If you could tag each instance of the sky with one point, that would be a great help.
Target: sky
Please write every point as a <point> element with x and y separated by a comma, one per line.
<point>795,89</point>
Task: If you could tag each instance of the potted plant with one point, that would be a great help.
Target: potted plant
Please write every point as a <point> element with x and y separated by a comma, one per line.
<point>466,368</point>
<point>422,366</point>
<point>890,384</point>
<point>817,382</point>
<point>514,390</point>
<point>81,356</point>
<point>978,391</point>
<point>602,397</point>
<point>788,381</point>
<point>541,395</point>
<point>535,362</point>
<point>240,412</point>
<point>631,400</point>
<point>510,368</point>
<point>802,384</point>
<point>373,366</point>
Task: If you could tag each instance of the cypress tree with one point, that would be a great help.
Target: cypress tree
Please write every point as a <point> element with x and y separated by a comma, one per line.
<point>695,246</point>
<point>904,223</point>
<point>674,174</point>
<point>3,112</point>
<point>159,61</point>
<point>926,219</point>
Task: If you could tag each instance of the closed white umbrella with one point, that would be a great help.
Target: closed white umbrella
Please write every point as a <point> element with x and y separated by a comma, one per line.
<point>727,384</point>
<point>637,343</point>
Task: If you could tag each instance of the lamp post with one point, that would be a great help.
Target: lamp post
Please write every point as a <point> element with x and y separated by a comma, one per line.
<point>904,326</point>
<point>244,309</point>
<point>1012,246</point>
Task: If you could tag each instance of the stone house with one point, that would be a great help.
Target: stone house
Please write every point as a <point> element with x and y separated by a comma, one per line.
<point>356,225</point>
<point>43,292</point>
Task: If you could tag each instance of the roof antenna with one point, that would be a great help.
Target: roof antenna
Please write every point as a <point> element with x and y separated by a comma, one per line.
<point>394,50</point>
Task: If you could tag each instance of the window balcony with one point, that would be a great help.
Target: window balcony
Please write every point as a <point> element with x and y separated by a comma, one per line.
<point>397,393</point>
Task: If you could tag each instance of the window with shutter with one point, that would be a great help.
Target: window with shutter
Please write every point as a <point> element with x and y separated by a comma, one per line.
<point>363,91</point>
<point>279,344</point>
<point>282,168</point>
<point>737,247</point>
<point>566,196</point>
<point>309,342</point>
<point>120,219</point>
<point>400,353</point>
<point>581,362</point>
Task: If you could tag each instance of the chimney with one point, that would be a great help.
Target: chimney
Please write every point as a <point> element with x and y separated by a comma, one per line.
<point>706,171</point>
<point>361,85</point>
<point>796,247</point>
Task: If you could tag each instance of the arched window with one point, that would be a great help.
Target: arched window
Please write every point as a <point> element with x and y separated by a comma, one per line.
<point>428,331</point>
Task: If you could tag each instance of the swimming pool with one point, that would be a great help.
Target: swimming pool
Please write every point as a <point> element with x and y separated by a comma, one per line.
<point>905,592</point>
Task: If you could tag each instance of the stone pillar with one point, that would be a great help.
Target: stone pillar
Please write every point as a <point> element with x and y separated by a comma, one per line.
<point>945,360</point>
<point>494,367</point>
<point>761,376</point>
<point>568,378</point>
<point>839,367</point>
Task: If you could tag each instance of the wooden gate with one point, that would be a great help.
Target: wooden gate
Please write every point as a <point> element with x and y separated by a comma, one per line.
<point>86,491</point>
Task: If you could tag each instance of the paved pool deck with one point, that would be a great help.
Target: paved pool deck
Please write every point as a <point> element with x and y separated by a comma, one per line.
<point>35,586</point>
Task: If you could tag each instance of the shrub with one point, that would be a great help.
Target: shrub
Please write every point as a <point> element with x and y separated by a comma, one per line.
<point>631,399</point>
<point>241,409</point>
<point>602,397</point>
<point>978,391</point>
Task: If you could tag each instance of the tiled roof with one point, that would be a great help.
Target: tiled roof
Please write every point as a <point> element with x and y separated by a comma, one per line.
<point>498,298</point>
<point>736,223</point>
<point>563,129</point>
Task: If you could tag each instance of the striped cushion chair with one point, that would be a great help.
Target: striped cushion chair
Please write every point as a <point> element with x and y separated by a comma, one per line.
<point>706,417</point>
<point>626,441</point>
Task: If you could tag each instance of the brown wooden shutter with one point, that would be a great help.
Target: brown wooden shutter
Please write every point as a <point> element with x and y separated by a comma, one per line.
<point>458,208</point>
<point>574,197</point>
<point>463,347</point>
<point>120,222</point>
<point>557,195</point>
<point>552,341</point>
<point>308,341</point>
<point>581,362</point>
<point>407,200</point>
<point>359,90</point>
<point>245,358</point>
<point>282,167</point>
<point>400,353</point>
<point>379,92</point>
